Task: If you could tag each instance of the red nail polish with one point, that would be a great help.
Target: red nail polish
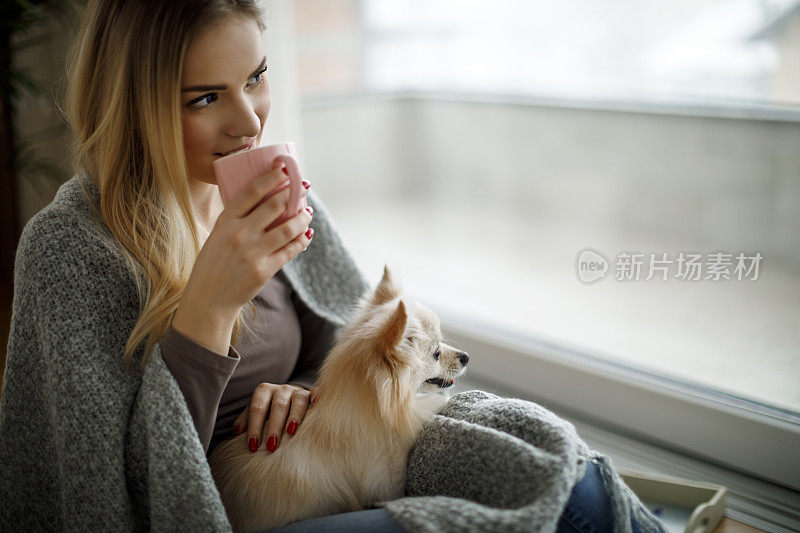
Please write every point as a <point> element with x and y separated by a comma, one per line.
<point>253,444</point>
<point>285,170</point>
<point>310,210</point>
<point>272,443</point>
<point>306,184</point>
<point>238,430</point>
<point>292,427</point>
<point>310,233</point>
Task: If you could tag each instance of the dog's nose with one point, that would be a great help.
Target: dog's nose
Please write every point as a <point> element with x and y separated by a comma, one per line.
<point>463,357</point>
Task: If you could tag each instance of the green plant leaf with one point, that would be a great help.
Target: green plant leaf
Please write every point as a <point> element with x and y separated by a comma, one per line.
<point>46,134</point>
<point>32,41</point>
<point>18,20</point>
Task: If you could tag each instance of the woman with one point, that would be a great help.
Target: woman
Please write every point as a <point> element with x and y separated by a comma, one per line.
<point>149,321</point>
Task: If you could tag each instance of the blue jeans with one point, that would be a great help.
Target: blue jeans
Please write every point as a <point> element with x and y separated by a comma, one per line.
<point>587,511</point>
<point>589,507</point>
<point>354,522</point>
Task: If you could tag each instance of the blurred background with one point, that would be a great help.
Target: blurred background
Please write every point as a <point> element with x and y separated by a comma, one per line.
<point>477,147</point>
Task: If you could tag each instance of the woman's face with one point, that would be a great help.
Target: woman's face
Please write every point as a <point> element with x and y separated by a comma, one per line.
<point>224,94</point>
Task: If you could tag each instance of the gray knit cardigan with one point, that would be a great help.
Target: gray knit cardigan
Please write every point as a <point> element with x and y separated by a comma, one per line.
<point>87,444</point>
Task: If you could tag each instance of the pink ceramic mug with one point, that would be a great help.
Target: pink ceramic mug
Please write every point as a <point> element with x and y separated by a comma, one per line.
<point>235,171</point>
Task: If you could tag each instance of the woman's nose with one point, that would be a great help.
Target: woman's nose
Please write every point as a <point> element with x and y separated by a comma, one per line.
<point>244,120</point>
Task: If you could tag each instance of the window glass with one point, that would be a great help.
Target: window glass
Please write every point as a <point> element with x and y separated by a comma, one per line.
<point>667,240</point>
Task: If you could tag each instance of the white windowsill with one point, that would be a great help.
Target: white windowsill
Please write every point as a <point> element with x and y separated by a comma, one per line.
<point>694,422</point>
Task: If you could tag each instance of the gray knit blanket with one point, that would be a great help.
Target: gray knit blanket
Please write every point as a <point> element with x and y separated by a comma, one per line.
<point>487,463</point>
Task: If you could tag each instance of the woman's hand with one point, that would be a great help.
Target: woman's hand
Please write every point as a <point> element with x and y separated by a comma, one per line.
<point>240,257</point>
<point>282,402</point>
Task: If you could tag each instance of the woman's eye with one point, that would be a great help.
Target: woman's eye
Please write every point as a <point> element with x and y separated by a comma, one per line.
<point>436,355</point>
<point>258,76</point>
<point>212,97</point>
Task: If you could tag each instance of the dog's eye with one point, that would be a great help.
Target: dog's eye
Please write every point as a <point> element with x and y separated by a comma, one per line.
<point>436,355</point>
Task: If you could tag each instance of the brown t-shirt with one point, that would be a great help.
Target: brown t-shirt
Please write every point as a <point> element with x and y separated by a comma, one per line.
<point>289,346</point>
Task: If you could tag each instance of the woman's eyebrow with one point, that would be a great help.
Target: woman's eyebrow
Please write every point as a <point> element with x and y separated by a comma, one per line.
<point>202,88</point>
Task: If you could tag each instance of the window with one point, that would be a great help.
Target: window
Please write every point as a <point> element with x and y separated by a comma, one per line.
<point>482,149</point>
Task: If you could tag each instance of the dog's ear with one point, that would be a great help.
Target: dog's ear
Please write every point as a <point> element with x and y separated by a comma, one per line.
<point>387,290</point>
<point>394,387</point>
<point>393,331</point>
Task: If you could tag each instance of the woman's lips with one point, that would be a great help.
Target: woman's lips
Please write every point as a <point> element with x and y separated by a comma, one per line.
<point>242,148</point>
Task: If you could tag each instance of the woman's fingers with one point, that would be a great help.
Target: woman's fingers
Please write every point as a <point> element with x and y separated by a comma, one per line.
<point>278,412</point>
<point>266,212</point>
<point>253,194</point>
<point>290,238</point>
<point>272,405</point>
<point>259,404</point>
<point>300,399</point>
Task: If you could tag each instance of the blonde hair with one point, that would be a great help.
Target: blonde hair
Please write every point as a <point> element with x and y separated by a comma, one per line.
<point>123,104</point>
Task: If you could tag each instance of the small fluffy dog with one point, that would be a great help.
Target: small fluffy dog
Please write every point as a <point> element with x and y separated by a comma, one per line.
<point>384,378</point>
